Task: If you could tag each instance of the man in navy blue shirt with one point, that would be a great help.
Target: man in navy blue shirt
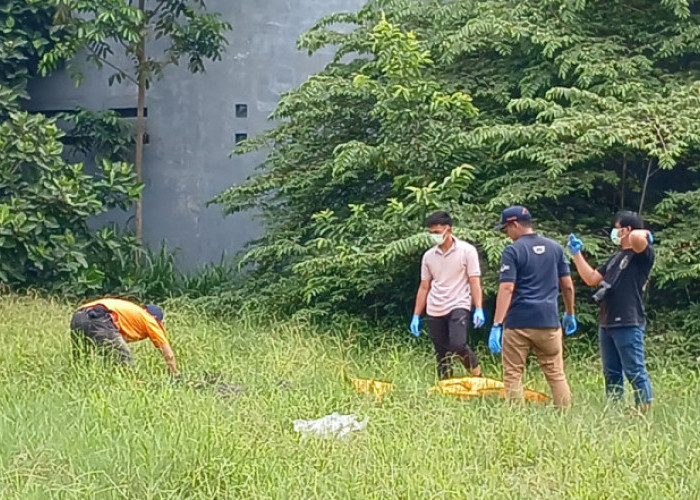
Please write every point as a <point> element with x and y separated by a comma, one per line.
<point>533,271</point>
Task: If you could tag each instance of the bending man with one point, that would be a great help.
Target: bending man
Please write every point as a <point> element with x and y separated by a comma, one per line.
<point>450,285</point>
<point>108,324</point>
<point>533,271</point>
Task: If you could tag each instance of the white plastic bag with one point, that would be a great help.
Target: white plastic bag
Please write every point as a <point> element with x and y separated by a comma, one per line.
<point>333,425</point>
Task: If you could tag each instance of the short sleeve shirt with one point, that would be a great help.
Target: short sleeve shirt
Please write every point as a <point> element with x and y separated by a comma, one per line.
<point>449,273</point>
<point>134,321</point>
<point>535,264</point>
<point>627,272</point>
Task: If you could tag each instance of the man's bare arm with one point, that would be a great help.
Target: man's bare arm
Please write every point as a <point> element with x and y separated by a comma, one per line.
<point>422,297</point>
<point>477,294</point>
<point>505,295</point>
<point>590,276</point>
<point>639,239</point>
<point>566,284</point>
<point>169,357</point>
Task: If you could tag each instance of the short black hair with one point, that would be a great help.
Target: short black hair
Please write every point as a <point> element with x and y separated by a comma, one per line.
<point>525,223</point>
<point>627,218</point>
<point>440,218</point>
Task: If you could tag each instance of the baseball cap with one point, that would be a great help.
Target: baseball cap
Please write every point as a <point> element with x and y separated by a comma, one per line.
<point>512,214</point>
<point>155,311</point>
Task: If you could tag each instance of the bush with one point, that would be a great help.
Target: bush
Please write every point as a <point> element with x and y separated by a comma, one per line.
<point>45,204</point>
<point>470,107</point>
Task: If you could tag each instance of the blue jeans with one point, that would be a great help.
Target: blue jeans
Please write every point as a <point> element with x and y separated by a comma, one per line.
<point>622,351</point>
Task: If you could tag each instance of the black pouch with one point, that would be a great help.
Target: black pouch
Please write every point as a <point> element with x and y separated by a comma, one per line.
<point>599,296</point>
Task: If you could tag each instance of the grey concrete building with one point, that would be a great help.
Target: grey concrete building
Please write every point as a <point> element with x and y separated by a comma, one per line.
<point>192,122</point>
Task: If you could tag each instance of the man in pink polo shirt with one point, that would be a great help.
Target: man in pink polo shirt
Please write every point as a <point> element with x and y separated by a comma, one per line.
<point>450,285</point>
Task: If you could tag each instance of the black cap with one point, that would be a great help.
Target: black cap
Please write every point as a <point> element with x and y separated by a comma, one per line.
<point>512,214</point>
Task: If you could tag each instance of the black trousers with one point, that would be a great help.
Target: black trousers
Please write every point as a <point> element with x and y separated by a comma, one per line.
<point>449,335</point>
<point>94,329</point>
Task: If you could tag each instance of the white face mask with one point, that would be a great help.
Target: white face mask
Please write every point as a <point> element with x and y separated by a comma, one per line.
<point>438,239</point>
<point>615,236</point>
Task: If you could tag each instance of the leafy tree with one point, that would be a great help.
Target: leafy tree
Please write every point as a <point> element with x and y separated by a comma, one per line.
<point>584,107</point>
<point>45,202</point>
<point>183,29</point>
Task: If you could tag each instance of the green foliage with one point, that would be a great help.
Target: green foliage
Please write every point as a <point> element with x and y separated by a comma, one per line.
<point>583,108</point>
<point>45,204</point>
<point>375,186</point>
<point>46,201</point>
<point>24,38</point>
<point>182,27</point>
<point>679,261</point>
<point>103,134</point>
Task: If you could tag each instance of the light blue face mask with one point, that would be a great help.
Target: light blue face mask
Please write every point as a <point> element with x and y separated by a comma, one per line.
<point>438,239</point>
<point>615,236</point>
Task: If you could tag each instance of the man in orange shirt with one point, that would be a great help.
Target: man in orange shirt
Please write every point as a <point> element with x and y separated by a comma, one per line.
<point>110,323</point>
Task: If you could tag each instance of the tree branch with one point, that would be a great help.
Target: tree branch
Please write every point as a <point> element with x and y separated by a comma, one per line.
<point>114,67</point>
<point>623,182</point>
<point>155,11</point>
<point>646,183</point>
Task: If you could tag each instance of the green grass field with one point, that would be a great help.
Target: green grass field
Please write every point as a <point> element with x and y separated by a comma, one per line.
<point>83,432</point>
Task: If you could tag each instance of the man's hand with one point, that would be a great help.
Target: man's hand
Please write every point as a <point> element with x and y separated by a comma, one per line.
<point>478,318</point>
<point>569,323</point>
<point>169,357</point>
<point>415,325</point>
<point>575,245</point>
<point>496,338</point>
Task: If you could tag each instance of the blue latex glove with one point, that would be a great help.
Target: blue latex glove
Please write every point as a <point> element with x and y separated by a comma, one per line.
<point>575,245</point>
<point>569,323</point>
<point>478,318</point>
<point>650,237</point>
<point>415,325</point>
<point>495,338</point>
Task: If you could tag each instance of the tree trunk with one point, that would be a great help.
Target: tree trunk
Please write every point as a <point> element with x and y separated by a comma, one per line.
<point>624,181</point>
<point>140,122</point>
<point>646,183</point>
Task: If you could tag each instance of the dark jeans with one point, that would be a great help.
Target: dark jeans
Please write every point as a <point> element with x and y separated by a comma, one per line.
<point>94,329</point>
<point>449,335</point>
<point>622,352</point>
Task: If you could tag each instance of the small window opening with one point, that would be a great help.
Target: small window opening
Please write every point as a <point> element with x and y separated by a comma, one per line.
<point>241,111</point>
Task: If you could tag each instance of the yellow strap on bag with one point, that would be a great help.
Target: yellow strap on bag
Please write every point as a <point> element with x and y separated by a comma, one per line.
<point>377,388</point>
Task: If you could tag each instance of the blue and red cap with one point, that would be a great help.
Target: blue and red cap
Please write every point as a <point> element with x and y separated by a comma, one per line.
<point>513,214</point>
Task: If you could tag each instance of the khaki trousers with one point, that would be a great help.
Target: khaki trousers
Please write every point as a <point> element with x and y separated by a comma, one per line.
<point>549,349</point>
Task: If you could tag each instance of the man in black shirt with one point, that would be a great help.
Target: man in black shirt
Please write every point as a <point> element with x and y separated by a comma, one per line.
<point>621,297</point>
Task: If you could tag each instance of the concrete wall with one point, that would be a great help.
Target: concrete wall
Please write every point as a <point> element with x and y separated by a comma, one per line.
<point>192,124</point>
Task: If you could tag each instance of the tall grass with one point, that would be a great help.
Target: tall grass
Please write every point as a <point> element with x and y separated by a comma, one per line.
<point>86,431</point>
